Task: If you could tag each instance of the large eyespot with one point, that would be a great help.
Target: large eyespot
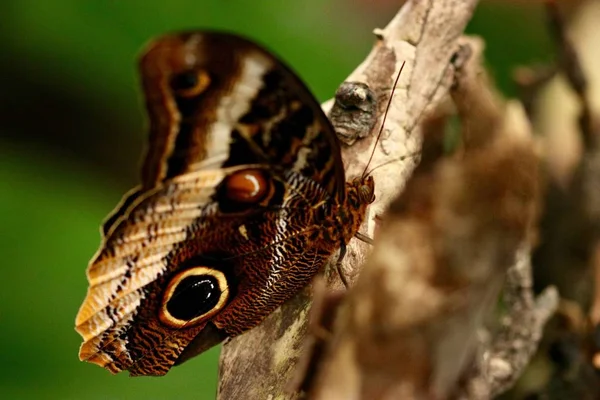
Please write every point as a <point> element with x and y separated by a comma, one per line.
<point>248,186</point>
<point>190,83</point>
<point>192,296</point>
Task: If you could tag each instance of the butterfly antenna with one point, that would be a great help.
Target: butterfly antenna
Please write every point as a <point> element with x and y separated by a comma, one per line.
<point>384,117</point>
<point>413,154</point>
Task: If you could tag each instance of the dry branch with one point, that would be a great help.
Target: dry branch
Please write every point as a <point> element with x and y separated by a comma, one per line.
<point>408,329</point>
<point>566,112</point>
<point>501,361</point>
<point>424,34</point>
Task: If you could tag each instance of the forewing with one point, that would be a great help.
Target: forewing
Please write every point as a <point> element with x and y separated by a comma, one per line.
<point>247,96</point>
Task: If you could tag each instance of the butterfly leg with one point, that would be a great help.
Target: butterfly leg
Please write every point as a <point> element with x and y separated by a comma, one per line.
<point>364,238</point>
<point>338,266</point>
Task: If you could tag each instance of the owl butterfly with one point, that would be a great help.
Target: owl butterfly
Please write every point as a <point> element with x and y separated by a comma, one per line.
<point>242,200</point>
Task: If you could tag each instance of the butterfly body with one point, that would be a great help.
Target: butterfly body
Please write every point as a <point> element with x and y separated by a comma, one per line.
<point>243,199</point>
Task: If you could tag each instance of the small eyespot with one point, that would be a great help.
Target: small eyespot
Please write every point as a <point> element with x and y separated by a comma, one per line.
<point>190,83</point>
<point>193,296</point>
<point>247,186</point>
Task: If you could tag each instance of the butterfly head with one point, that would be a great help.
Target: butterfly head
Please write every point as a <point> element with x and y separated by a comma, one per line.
<point>366,190</point>
<point>360,192</point>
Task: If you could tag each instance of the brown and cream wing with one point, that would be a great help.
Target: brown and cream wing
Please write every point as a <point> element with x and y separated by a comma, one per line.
<point>239,151</point>
<point>188,225</point>
<point>207,91</point>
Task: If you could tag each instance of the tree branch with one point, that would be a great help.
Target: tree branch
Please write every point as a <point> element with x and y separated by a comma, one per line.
<point>503,359</point>
<point>424,34</point>
<point>408,328</point>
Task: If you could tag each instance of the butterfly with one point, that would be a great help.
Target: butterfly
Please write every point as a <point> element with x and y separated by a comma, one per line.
<point>242,200</point>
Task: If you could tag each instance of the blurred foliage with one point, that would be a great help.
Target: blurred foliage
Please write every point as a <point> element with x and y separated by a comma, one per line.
<point>72,131</point>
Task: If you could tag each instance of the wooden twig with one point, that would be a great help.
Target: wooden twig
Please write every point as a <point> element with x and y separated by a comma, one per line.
<point>565,118</point>
<point>503,357</point>
<point>423,34</point>
<point>585,188</point>
<point>574,72</point>
<point>571,225</point>
<point>408,328</point>
<point>530,80</point>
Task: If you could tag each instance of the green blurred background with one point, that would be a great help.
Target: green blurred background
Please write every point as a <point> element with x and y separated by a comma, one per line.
<point>72,132</point>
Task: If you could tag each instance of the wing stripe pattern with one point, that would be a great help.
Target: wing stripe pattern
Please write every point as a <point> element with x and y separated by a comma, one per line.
<point>253,114</point>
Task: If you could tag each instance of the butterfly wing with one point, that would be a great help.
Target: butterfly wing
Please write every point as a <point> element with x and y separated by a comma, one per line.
<point>212,240</point>
<point>205,92</point>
